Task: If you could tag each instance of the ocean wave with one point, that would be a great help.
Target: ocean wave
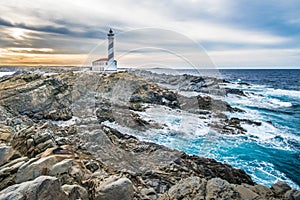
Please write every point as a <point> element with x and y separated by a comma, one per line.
<point>246,87</point>
<point>178,122</point>
<point>6,73</point>
<point>258,101</point>
<point>265,173</point>
<point>262,89</point>
<point>269,136</point>
<point>281,92</point>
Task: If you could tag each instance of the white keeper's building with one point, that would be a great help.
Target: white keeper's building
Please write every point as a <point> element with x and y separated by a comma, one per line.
<point>108,64</point>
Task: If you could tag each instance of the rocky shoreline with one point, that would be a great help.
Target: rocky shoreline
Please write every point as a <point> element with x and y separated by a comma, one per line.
<point>54,144</point>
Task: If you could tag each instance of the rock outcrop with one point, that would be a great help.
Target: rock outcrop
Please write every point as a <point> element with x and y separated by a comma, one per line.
<point>43,158</point>
<point>43,187</point>
<point>36,96</point>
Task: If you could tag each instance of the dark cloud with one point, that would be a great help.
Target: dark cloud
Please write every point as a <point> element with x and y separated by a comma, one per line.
<point>5,23</point>
<point>82,31</point>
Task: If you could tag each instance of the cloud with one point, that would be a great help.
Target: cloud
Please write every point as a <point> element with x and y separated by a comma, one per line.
<point>256,58</point>
<point>30,50</point>
<point>76,27</point>
<point>81,31</point>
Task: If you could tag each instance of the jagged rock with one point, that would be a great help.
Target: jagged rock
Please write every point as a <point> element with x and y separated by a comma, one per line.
<point>75,192</point>
<point>12,166</point>
<point>92,165</point>
<point>262,191</point>
<point>51,163</point>
<point>115,188</point>
<point>6,152</point>
<point>35,167</point>
<point>280,188</point>
<point>61,167</point>
<point>37,96</point>
<point>151,170</point>
<point>189,188</point>
<point>5,133</point>
<point>42,188</point>
<point>104,112</point>
<point>246,193</point>
<point>235,91</point>
<point>149,193</point>
<point>292,195</point>
<point>8,172</point>
<point>217,188</point>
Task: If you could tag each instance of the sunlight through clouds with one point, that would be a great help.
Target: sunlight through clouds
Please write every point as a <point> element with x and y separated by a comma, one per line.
<point>75,27</point>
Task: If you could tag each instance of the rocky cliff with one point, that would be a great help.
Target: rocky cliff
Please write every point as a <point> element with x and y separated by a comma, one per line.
<point>54,144</point>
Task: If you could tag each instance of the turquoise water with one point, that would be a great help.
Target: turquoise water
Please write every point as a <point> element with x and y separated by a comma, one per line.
<point>268,153</point>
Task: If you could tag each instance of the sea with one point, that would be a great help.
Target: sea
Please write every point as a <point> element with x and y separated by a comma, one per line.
<point>268,153</point>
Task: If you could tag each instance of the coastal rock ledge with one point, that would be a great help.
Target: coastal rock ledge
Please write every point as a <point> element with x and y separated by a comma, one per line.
<point>44,156</point>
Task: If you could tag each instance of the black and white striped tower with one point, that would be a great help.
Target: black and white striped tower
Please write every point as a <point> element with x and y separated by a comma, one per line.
<point>110,37</point>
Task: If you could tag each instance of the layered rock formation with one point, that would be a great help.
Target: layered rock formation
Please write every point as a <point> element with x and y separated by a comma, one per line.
<point>42,157</point>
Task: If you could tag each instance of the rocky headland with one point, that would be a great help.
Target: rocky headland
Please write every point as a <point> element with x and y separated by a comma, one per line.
<point>55,144</point>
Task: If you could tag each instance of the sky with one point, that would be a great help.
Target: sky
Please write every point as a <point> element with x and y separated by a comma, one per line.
<point>224,33</point>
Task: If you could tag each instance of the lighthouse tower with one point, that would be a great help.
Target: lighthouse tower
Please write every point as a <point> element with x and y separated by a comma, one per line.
<point>109,63</point>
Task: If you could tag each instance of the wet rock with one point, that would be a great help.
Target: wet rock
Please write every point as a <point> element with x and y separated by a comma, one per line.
<point>92,165</point>
<point>104,111</point>
<point>115,188</point>
<point>292,195</point>
<point>41,188</point>
<point>243,83</point>
<point>235,91</point>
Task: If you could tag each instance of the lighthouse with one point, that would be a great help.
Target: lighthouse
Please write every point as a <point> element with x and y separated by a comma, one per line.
<point>108,64</point>
<point>110,37</point>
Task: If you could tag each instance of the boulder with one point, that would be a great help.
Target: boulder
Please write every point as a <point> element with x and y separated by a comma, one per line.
<point>5,133</point>
<point>217,188</point>
<point>246,193</point>
<point>50,165</point>
<point>6,152</point>
<point>149,193</point>
<point>61,167</point>
<point>292,195</point>
<point>235,91</point>
<point>75,192</point>
<point>280,188</point>
<point>8,172</point>
<point>189,188</point>
<point>263,191</point>
<point>115,188</point>
<point>41,188</point>
<point>34,168</point>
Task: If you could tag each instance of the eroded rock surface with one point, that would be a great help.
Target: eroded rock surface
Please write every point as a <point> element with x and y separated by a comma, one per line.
<point>42,157</point>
